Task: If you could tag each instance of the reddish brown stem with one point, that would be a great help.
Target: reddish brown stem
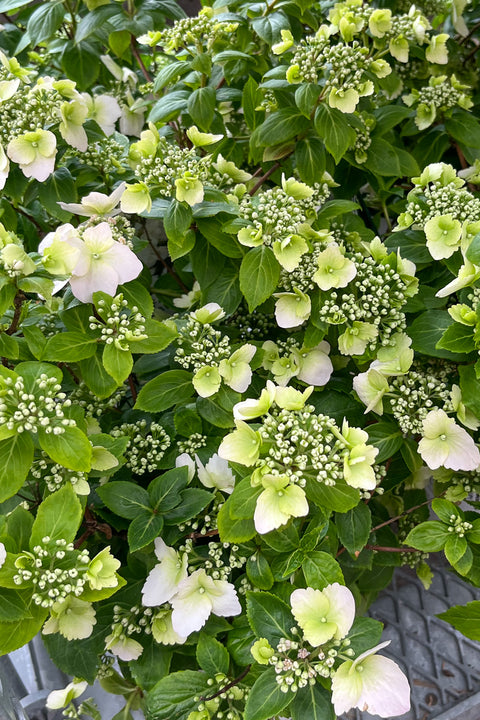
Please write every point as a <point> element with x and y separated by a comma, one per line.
<point>133,389</point>
<point>138,58</point>
<point>261,180</point>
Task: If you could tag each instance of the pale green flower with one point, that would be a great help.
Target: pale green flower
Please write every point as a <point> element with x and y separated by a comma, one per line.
<point>292,309</point>
<point>278,502</point>
<point>262,651</point>
<point>399,48</point>
<point>288,398</point>
<point>355,339</point>
<point>242,445</point>
<point>226,167</point>
<point>296,189</point>
<point>283,369</point>
<point>426,115</point>
<point>395,358</point>
<point>61,698</point>
<point>440,172</point>
<point>189,189</point>
<point>250,236</point>
<point>289,251</point>
<point>59,257</point>
<point>380,68</point>
<point>216,474</point>
<point>136,199</point>
<point>315,367</point>
<point>200,139</point>
<point>344,100</point>
<point>443,234</point>
<point>207,381</point>
<point>436,51</point>
<point>162,629</point>
<point>124,647</point>
<point>96,203</point>
<point>72,618</point>
<point>446,444</point>
<point>285,44</point>
<point>357,464</point>
<point>104,109</point>
<point>73,116</point>
<point>464,414</point>
<point>294,75</point>
<point>380,22</point>
<point>4,167</point>
<point>463,314</point>
<point>235,370</point>
<point>467,275</point>
<point>370,387</point>
<point>323,615</point>
<point>250,409</point>
<point>16,260</point>
<point>334,269</point>
<point>35,153</point>
<point>102,570</point>
<point>208,313</point>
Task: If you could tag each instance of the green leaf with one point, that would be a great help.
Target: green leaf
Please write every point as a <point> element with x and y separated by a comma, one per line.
<point>160,336</point>
<point>388,116</point>
<point>169,74</point>
<point>259,572</point>
<point>217,410</point>
<point>429,536</point>
<point>382,158</point>
<point>126,499</point>
<point>16,458</point>
<point>96,377</point>
<point>281,126</point>
<point>259,275</point>
<point>225,290</point>
<point>80,63</point>
<point>45,21</point>
<point>59,187</point>
<point>176,221</point>
<point>354,527</point>
<point>152,665</point>
<point>191,502</point>
<point>8,346</point>
<point>78,658</point>
<point>69,347</point>
<point>465,618</point>
<point>269,27</point>
<point>306,96</point>
<point>265,699</point>
<point>312,703</point>
<point>243,500</point>
<point>251,97</point>
<point>201,107</point>
<point>333,128</point>
<point>18,529</point>
<point>176,695</point>
<point>386,437</point>
<point>364,634</point>
<point>117,363</point>
<point>340,497</point>
<point>457,338</point>
<point>13,605</point>
<point>58,517</point>
<point>71,449</point>
<point>455,548</point>
<point>464,127</point>
<point>470,387</point>
<point>169,106</point>
<point>14,635</point>
<point>143,529</point>
<point>7,296</point>
<point>94,20</point>
<point>473,250</point>
<point>426,331</point>
<point>310,159</point>
<point>269,617</point>
<point>234,530</point>
<point>411,244</point>
<point>164,491</point>
<point>170,388</point>
<point>212,656</point>
<point>36,340</point>
<point>321,569</point>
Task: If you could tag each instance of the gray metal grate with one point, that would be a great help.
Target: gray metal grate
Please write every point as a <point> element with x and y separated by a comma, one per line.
<point>442,665</point>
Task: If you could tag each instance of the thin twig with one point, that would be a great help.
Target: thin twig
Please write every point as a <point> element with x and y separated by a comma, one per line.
<point>381,548</point>
<point>407,512</point>
<point>167,267</point>
<point>260,182</point>
<point>133,389</point>
<point>138,58</point>
<point>227,687</point>
<point>18,302</point>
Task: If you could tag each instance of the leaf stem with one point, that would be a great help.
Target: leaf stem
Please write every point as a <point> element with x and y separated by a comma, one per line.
<point>229,685</point>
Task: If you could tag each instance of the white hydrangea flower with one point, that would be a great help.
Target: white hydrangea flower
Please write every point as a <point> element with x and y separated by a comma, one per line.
<point>197,598</point>
<point>371,683</point>
<point>163,581</point>
<point>216,474</point>
<point>446,444</point>
<point>61,698</point>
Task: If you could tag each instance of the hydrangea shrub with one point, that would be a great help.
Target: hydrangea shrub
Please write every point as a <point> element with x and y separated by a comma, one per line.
<point>239,342</point>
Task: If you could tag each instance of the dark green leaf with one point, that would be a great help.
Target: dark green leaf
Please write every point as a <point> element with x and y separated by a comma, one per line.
<point>125,498</point>
<point>259,275</point>
<point>354,527</point>
<point>265,699</point>
<point>333,128</point>
<point>465,618</point>
<point>170,388</point>
<point>212,656</point>
<point>280,126</point>
<point>16,458</point>
<point>321,569</point>
<point>269,617</point>
<point>312,703</point>
<point>58,516</point>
